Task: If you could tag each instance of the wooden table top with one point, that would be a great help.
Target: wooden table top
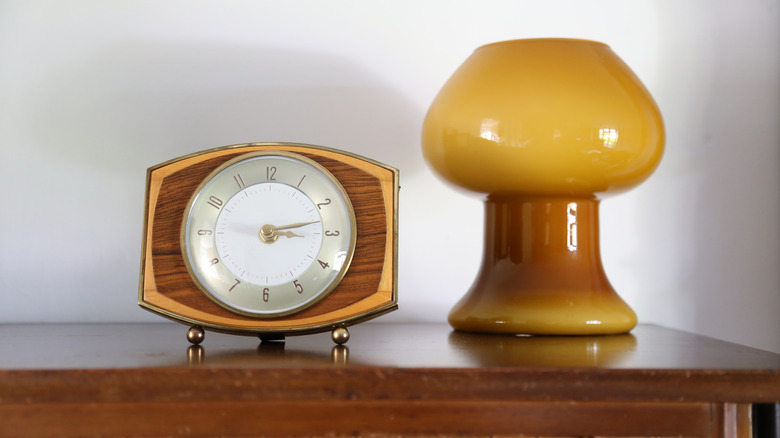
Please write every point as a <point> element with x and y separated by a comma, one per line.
<point>652,362</point>
<point>374,344</point>
<point>389,380</point>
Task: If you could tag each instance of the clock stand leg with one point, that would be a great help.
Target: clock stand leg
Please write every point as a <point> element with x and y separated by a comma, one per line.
<point>340,335</point>
<point>196,334</point>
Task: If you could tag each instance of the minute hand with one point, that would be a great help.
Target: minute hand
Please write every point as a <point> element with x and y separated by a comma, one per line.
<point>295,225</point>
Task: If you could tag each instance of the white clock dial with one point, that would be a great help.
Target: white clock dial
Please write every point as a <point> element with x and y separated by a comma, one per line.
<point>276,257</point>
<point>268,234</point>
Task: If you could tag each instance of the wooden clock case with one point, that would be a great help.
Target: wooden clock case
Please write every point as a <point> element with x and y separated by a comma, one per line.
<point>367,290</point>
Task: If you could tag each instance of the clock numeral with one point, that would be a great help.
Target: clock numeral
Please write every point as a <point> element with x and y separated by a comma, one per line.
<point>323,264</point>
<point>270,173</point>
<point>266,294</point>
<point>204,233</point>
<point>331,233</point>
<point>301,181</point>
<point>215,202</point>
<point>298,286</point>
<point>236,284</point>
<point>240,181</point>
<point>327,202</point>
<point>214,261</point>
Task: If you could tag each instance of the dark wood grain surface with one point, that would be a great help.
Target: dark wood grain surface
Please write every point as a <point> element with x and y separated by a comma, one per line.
<point>389,380</point>
<point>373,344</point>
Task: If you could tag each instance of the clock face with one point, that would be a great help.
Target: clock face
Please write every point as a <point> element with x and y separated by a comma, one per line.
<point>268,234</point>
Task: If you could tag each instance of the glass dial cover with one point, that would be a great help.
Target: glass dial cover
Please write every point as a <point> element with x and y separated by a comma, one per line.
<point>268,234</point>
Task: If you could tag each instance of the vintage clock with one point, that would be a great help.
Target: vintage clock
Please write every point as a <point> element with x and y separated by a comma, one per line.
<point>270,239</point>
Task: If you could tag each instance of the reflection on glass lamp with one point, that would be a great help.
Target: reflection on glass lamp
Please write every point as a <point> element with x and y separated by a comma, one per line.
<point>544,129</point>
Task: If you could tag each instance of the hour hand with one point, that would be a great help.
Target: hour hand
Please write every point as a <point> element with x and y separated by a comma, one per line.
<point>269,233</point>
<point>287,234</point>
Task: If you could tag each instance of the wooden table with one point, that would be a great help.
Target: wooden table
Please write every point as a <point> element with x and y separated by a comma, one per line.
<point>389,380</point>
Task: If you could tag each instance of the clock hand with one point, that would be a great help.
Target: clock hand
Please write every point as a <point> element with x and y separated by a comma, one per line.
<point>287,234</point>
<point>295,225</point>
<point>269,233</point>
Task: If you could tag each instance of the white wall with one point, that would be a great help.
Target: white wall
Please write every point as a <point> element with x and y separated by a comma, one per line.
<point>92,93</point>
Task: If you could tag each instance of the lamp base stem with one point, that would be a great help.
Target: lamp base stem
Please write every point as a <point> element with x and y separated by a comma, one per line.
<point>542,273</point>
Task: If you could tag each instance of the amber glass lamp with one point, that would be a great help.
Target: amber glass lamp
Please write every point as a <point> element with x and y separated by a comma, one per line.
<point>543,129</point>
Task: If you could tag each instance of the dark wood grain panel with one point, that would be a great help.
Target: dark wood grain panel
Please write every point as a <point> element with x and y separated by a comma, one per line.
<point>109,380</point>
<point>347,418</point>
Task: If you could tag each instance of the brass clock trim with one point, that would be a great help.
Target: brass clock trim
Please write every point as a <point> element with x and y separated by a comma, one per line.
<point>272,153</point>
<point>373,191</point>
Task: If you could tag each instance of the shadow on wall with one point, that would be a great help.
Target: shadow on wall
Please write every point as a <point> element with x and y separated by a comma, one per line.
<point>135,106</point>
<point>738,203</point>
<point>101,120</point>
<point>720,177</point>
